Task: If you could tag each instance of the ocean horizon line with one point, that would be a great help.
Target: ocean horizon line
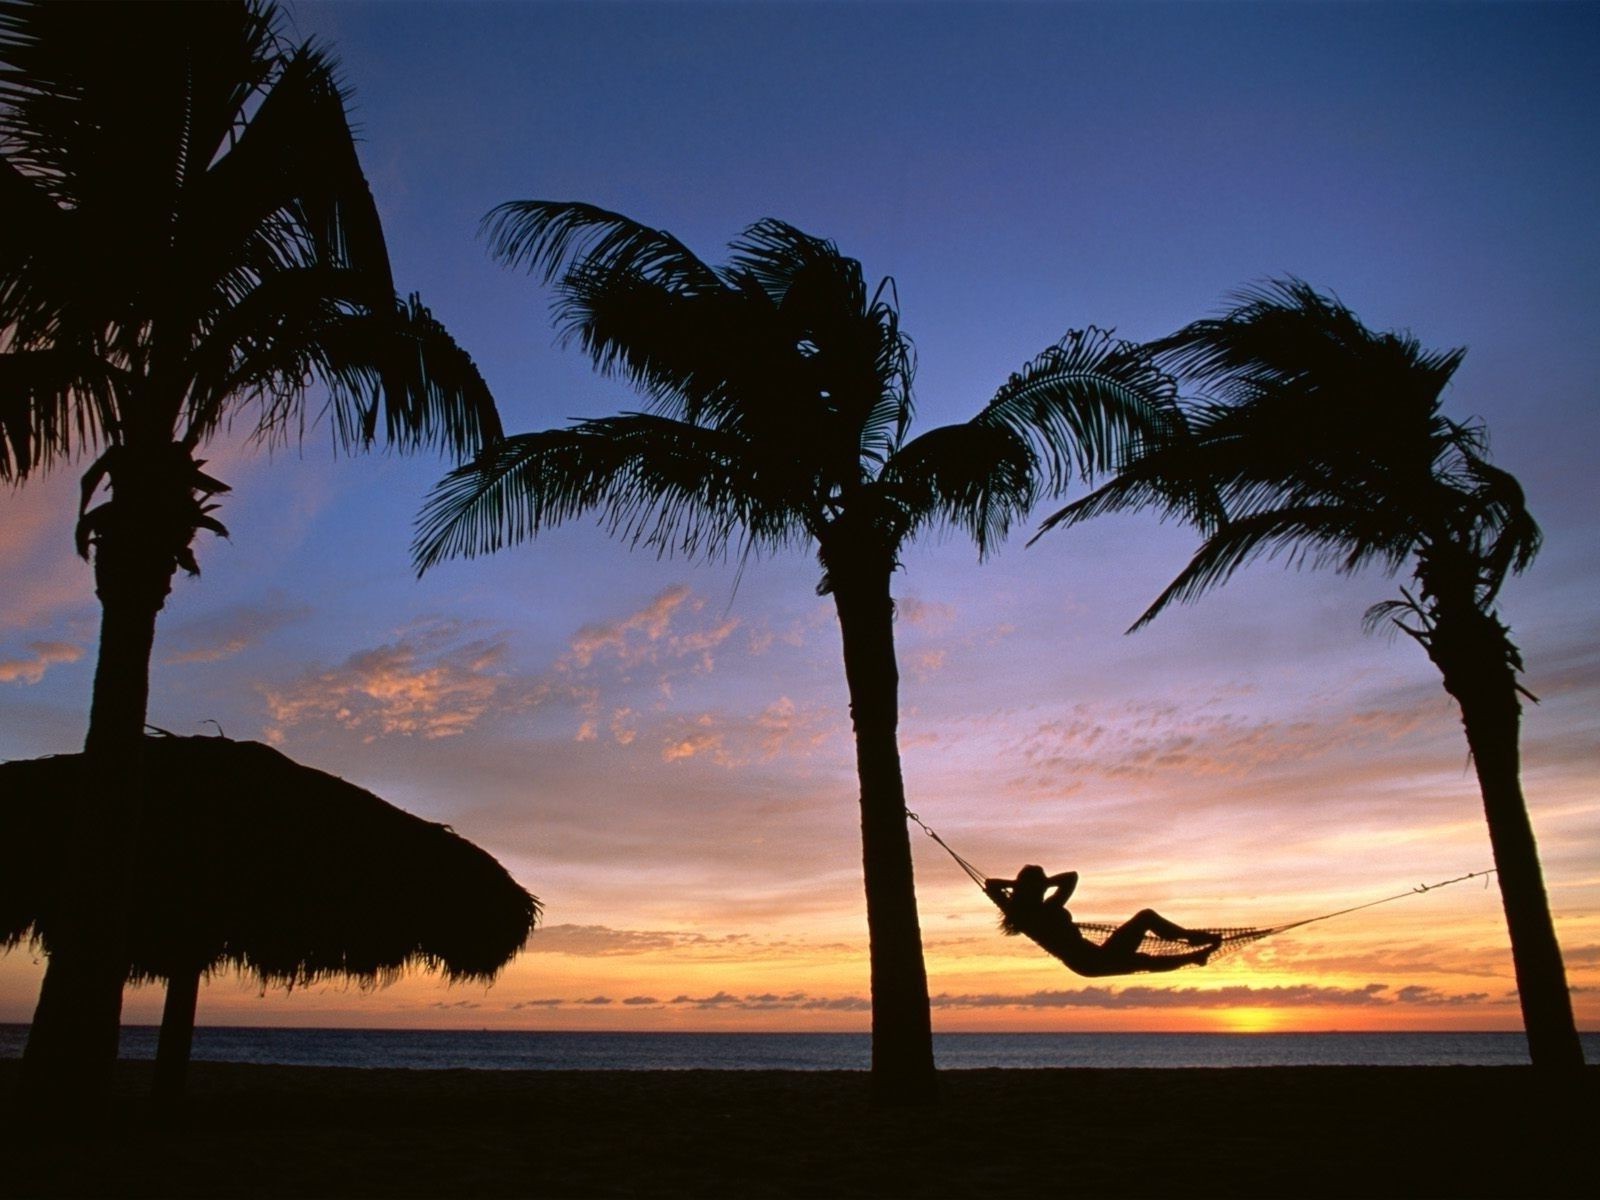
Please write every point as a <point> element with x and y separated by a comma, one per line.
<point>745,1050</point>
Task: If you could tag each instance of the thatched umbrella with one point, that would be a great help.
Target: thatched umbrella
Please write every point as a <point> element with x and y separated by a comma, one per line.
<point>249,860</point>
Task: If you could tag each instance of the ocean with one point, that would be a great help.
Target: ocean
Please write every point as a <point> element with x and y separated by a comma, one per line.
<point>543,1051</point>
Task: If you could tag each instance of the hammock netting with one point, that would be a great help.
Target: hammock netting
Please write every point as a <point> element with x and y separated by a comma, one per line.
<point>1160,947</point>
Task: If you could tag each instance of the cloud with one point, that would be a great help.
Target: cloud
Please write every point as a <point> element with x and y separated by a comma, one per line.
<point>222,635</point>
<point>45,580</point>
<point>40,658</point>
<point>432,682</point>
<point>837,1004</point>
<point>622,726</point>
<point>1302,995</point>
<point>693,744</point>
<point>1416,994</point>
<point>1141,738</point>
<point>649,635</point>
<point>598,941</point>
<point>771,1002</point>
<point>722,1000</point>
<point>650,624</point>
<point>781,729</point>
<point>923,614</point>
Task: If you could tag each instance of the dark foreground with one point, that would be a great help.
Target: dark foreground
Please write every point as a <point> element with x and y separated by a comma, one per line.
<point>1284,1131</point>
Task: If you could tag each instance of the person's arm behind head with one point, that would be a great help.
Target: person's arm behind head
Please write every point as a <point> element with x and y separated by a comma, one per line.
<point>1065,884</point>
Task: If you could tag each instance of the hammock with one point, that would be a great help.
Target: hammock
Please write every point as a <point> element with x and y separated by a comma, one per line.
<point>1233,937</point>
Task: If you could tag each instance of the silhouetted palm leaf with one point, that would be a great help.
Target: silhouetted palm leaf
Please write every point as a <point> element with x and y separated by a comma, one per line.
<point>1087,405</point>
<point>978,477</point>
<point>546,236</point>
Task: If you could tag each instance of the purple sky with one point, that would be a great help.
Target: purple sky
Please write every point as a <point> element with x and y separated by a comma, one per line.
<point>666,759</point>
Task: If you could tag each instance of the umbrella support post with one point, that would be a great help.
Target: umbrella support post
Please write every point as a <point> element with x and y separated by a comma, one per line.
<point>177,1036</point>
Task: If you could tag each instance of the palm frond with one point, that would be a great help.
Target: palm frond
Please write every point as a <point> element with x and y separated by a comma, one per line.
<point>1175,479</point>
<point>546,236</point>
<point>1285,332</point>
<point>1088,404</point>
<point>291,187</point>
<point>400,371</point>
<point>978,477</point>
<point>691,353</point>
<point>53,402</point>
<point>774,254</point>
<point>1311,535</point>
<point>668,484</point>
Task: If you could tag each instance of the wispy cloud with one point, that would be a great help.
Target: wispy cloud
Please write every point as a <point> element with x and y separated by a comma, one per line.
<point>924,614</point>
<point>1141,738</point>
<point>41,656</point>
<point>434,681</point>
<point>221,635</point>
<point>598,941</point>
<point>1303,995</point>
<point>654,633</point>
<point>781,729</point>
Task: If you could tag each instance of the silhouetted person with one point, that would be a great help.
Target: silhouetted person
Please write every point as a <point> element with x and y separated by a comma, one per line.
<point>1044,917</point>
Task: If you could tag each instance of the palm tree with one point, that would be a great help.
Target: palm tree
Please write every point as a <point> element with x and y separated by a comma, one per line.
<point>1324,443</point>
<point>189,242</point>
<point>779,392</point>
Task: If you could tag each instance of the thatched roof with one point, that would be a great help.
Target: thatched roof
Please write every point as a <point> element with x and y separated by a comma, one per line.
<point>251,860</point>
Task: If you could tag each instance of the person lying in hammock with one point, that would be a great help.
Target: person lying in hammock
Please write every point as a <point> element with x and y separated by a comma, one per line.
<point>1029,910</point>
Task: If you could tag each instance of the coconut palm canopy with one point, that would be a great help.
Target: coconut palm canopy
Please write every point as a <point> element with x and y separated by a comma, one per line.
<point>254,861</point>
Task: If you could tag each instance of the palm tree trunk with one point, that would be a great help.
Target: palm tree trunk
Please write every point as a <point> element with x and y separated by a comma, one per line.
<point>1477,660</point>
<point>72,1043</point>
<point>177,1036</point>
<point>902,1036</point>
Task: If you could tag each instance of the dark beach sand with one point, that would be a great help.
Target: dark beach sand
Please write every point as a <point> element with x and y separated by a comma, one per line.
<point>1324,1131</point>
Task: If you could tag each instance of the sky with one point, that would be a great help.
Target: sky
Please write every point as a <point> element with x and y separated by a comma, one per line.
<point>661,751</point>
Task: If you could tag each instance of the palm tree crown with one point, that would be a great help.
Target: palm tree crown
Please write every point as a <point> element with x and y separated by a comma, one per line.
<point>189,238</point>
<point>1324,442</point>
<point>780,405</point>
<point>781,400</point>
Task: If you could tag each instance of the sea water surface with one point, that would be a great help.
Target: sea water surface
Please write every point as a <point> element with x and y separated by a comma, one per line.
<point>538,1051</point>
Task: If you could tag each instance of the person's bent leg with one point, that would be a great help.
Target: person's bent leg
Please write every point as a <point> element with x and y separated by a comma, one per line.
<point>1127,937</point>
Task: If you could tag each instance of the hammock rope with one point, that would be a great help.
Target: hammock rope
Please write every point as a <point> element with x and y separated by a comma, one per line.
<point>1232,937</point>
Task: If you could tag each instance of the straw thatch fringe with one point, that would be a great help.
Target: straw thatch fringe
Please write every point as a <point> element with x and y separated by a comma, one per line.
<point>250,860</point>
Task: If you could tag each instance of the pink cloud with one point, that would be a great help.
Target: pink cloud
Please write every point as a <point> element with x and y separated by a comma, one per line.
<point>40,658</point>
<point>625,637</point>
<point>923,614</point>
<point>428,683</point>
<point>782,729</point>
<point>222,635</point>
